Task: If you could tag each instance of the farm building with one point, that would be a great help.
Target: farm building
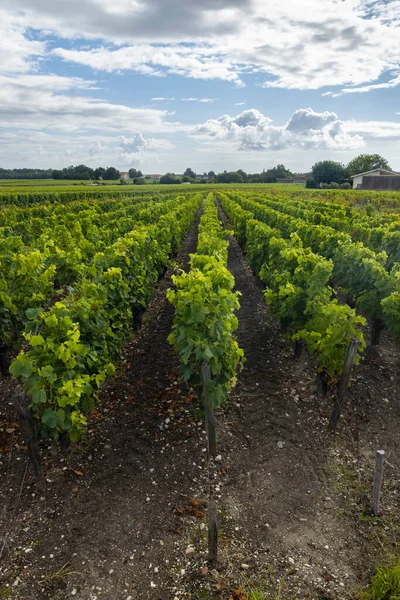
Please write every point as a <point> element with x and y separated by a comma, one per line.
<point>294,179</point>
<point>124,175</point>
<point>372,180</point>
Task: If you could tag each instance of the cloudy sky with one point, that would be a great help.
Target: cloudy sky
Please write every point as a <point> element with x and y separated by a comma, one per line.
<point>211,84</point>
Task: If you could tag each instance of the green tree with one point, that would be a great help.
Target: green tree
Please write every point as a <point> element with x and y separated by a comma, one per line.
<point>190,173</point>
<point>327,171</point>
<point>366,162</point>
<point>134,174</point>
<point>170,178</point>
<point>111,174</point>
<point>99,172</point>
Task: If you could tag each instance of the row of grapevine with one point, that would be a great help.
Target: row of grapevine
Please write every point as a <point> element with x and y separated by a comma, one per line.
<point>36,271</point>
<point>380,232</point>
<point>204,301</point>
<point>59,196</point>
<point>298,291</point>
<point>71,346</point>
<point>358,271</point>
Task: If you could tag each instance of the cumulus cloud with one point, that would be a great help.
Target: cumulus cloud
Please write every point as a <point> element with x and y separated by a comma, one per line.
<point>138,144</point>
<point>51,102</point>
<point>251,130</point>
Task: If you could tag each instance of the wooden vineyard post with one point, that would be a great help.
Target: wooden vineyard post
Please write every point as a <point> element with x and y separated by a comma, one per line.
<point>28,430</point>
<point>209,412</point>
<point>212,532</point>
<point>212,451</point>
<point>378,476</point>
<point>343,385</point>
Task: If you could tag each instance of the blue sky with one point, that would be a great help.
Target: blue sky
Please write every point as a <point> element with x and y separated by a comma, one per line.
<point>161,85</point>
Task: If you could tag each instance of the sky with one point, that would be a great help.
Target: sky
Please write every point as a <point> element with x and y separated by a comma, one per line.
<point>162,85</point>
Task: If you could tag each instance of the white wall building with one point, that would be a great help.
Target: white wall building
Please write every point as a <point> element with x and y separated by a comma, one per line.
<point>357,179</point>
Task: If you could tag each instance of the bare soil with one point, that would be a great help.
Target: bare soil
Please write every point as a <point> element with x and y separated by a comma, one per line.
<point>124,517</point>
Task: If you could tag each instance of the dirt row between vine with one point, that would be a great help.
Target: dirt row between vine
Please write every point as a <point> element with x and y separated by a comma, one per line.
<point>125,516</point>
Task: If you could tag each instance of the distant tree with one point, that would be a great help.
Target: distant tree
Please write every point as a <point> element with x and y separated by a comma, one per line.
<point>229,177</point>
<point>327,171</point>
<point>169,178</point>
<point>58,174</point>
<point>211,174</point>
<point>99,172</point>
<point>133,173</point>
<point>366,162</point>
<point>186,179</point>
<point>111,174</point>
<point>190,173</point>
<point>242,174</point>
<point>310,183</point>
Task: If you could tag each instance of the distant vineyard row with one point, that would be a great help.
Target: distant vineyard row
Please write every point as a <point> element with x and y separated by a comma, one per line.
<point>34,194</point>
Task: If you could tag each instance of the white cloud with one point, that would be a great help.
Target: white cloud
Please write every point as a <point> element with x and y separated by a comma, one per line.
<point>203,100</point>
<point>161,99</point>
<point>18,53</point>
<point>251,130</point>
<point>240,103</point>
<point>197,62</point>
<point>374,129</point>
<point>54,150</point>
<point>304,45</point>
<point>49,102</point>
<point>367,88</point>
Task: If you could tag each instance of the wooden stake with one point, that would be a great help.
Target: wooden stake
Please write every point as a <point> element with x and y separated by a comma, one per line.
<point>343,384</point>
<point>212,533</point>
<point>28,430</point>
<point>378,476</point>
<point>209,412</point>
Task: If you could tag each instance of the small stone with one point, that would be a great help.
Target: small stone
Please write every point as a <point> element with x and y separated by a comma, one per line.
<point>189,550</point>
<point>148,499</point>
<point>244,566</point>
<point>218,458</point>
<point>202,526</point>
<point>291,560</point>
<point>280,444</point>
<point>74,592</point>
<point>152,585</point>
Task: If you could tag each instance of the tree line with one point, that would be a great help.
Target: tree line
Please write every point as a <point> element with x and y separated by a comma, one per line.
<point>323,173</point>
<point>26,173</point>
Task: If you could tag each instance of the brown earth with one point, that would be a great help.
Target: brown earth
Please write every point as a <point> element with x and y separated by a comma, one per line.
<point>124,515</point>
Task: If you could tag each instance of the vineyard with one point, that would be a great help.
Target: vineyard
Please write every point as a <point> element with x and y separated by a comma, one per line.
<point>194,384</point>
